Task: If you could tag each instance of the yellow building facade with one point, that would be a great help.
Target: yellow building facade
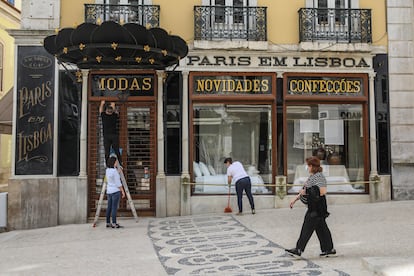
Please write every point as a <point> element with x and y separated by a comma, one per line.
<point>9,19</point>
<point>267,83</point>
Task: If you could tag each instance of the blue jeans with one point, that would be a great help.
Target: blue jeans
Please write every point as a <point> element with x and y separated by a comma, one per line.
<point>244,184</point>
<point>112,209</point>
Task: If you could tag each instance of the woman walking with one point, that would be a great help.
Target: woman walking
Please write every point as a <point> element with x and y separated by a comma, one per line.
<point>313,194</point>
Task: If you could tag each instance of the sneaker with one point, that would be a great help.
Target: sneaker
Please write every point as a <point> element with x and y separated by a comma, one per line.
<point>253,211</point>
<point>239,214</point>
<point>116,225</point>
<point>108,225</point>
<point>294,251</point>
<point>328,253</point>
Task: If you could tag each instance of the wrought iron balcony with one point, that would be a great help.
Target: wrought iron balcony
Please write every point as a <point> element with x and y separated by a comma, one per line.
<point>340,25</point>
<point>230,23</point>
<point>146,15</point>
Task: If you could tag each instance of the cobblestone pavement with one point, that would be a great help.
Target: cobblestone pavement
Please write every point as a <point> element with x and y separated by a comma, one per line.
<point>221,245</point>
<point>371,239</point>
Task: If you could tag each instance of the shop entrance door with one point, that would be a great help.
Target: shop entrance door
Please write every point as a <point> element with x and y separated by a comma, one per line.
<point>137,133</point>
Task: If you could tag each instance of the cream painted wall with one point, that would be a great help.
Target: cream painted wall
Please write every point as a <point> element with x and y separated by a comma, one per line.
<point>282,20</point>
<point>5,161</point>
<point>8,61</point>
<point>177,17</point>
<point>72,12</point>
<point>379,20</point>
<point>9,19</point>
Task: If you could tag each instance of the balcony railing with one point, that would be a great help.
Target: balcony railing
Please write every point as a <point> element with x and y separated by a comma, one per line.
<point>146,15</point>
<point>340,25</point>
<point>230,23</point>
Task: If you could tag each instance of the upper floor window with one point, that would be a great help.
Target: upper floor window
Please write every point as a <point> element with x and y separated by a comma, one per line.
<point>11,2</point>
<point>126,2</point>
<point>123,11</point>
<point>230,19</point>
<point>335,20</point>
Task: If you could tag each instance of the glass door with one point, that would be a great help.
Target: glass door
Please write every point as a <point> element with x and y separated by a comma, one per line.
<point>137,139</point>
<point>229,17</point>
<point>332,17</point>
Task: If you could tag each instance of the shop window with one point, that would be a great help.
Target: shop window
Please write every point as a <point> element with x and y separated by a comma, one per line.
<point>334,133</point>
<point>243,132</point>
<point>69,126</point>
<point>172,123</point>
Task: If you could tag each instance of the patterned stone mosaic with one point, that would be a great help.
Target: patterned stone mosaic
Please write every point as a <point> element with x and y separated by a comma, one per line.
<point>221,245</point>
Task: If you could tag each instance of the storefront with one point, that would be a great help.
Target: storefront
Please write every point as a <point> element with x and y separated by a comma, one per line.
<point>232,115</point>
<point>273,111</point>
<point>326,115</point>
<point>135,96</point>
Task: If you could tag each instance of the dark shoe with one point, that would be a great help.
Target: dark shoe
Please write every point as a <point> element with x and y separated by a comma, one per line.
<point>328,253</point>
<point>294,251</point>
<point>116,225</point>
<point>253,211</point>
<point>108,225</point>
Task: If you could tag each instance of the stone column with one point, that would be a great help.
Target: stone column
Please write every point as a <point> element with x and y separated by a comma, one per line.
<point>400,21</point>
<point>84,125</point>
<point>185,175</point>
<point>161,189</point>
<point>372,126</point>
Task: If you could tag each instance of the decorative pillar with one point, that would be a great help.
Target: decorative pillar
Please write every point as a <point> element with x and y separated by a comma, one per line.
<point>185,175</point>
<point>84,124</point>
<point>161,189</point>
<point>372,126</point>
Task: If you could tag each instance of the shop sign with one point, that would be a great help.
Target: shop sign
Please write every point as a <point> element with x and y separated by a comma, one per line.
<point>344,86</point>
<point>34,111</point>
<point>119,85</point>
<point>236,84</point>
<point>271,61</point>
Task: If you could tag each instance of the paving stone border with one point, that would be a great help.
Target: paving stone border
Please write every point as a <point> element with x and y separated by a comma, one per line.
<point>221,245</point>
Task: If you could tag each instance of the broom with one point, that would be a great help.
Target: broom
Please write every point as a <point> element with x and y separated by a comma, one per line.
<point>228,208</point>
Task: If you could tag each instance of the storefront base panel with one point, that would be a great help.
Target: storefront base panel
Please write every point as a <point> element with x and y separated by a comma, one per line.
<point>173,196</point>
<point>381,191</point>
<point>73,195</point>
<point>402,181</point>
<point>216,204</point>
<point>33,203</point>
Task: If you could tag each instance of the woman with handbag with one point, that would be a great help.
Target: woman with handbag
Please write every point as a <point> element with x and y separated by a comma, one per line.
<point>313,194</point>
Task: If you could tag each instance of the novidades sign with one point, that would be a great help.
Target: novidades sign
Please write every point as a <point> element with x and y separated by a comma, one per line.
<point>273,61</point>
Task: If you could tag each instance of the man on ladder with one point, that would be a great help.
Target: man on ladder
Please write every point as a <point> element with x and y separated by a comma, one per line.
<point>111,140</point>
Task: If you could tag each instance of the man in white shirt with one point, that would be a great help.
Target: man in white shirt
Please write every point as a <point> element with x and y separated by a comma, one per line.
<point>236,172</point>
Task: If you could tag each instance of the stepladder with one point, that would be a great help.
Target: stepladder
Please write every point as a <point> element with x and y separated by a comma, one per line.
<point>127,193</point>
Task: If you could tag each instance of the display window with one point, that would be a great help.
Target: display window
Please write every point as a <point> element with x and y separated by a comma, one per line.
<point>232,115</point>
<point>240,131</point>
<point>335,132</point>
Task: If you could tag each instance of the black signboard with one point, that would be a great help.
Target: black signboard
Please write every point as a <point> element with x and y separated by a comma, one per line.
<point>34,112</point>
<point>120,85</point>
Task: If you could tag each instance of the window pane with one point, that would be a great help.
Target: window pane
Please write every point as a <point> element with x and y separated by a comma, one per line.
<point>334,133</point>
<point>219,11</point>
<point>242,132</point>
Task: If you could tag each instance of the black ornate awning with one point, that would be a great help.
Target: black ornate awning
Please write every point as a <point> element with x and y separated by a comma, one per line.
<point>111,45</point>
